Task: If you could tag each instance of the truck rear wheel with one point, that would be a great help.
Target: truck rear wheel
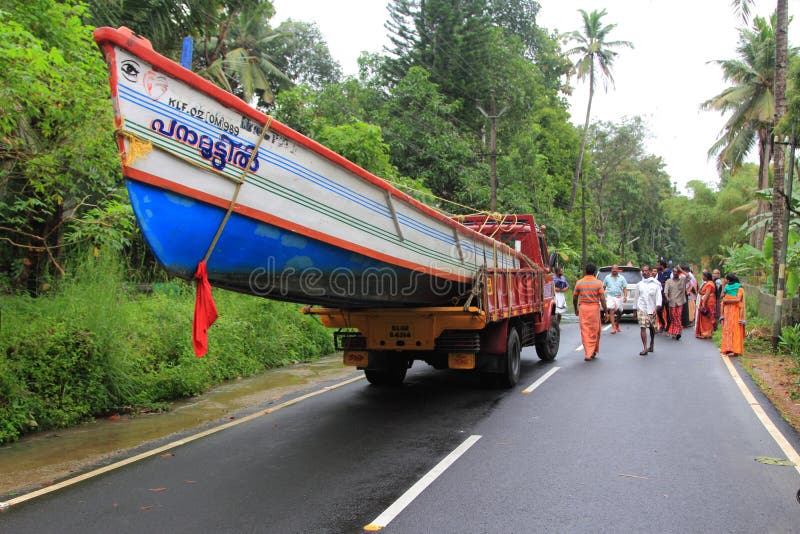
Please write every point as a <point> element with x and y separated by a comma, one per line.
<point>548,341</point>
<point>387,377</point>
<point>512,360</point>
<point>386,370</point>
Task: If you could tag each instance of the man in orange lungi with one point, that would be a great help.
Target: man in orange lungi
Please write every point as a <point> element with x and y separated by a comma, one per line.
<point>588,299</point>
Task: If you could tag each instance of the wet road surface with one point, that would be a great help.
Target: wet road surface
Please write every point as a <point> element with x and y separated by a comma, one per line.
<point>41,459</point>
<point>662,443</point>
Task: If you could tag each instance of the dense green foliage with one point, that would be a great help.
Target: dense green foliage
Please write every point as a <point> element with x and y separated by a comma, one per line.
<point>96,345</point>
<point>415,116</point>
<point>59,171</point>
<point>790,341</point>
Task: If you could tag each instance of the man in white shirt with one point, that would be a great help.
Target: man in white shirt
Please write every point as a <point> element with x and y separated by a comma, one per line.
<point>647,305</point>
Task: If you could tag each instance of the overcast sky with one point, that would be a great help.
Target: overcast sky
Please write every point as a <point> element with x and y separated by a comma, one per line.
<point>664,78</point>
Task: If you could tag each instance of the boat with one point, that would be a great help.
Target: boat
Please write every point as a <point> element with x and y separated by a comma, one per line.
<point>269,211</point>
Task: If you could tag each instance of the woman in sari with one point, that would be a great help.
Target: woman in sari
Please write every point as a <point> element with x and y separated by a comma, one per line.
<point>733,317</point>
<point>705,308</point>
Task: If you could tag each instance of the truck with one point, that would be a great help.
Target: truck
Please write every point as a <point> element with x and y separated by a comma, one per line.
<point>506,310</point>
<point>229,196</point>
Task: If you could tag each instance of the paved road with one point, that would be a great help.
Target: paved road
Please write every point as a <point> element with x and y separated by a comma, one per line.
<point>663,443</point>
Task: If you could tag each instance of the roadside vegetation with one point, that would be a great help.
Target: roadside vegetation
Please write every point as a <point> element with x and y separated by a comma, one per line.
<point>95,344</point>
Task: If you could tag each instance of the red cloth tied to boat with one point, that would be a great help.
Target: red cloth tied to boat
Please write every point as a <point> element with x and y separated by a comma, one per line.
<point>205,311</point>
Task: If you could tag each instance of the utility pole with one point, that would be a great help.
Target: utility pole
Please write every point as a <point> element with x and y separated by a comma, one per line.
<point>780,283</point>
<point>493,116</point>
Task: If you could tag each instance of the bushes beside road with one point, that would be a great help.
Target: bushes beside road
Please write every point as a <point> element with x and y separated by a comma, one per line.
<point>95,345</point>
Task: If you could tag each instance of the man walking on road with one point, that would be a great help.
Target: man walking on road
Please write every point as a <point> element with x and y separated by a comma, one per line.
<point>675,292</point>
<point>648,304</point>
<point>614,287</point>
<point>587,299</point>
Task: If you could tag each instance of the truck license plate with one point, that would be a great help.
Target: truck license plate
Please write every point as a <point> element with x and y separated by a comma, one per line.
<point>461,360</point>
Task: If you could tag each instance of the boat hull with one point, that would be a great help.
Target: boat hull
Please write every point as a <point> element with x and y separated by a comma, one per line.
<point>265,260</point>
<point>303,224</point>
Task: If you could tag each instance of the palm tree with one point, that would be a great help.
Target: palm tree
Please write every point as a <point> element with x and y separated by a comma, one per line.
<point>751,100</point>
<point>595,54</point>
<point>779,206</point>
<point>237,57</point>
<point>232,37</point>
<point>781,69</point>
<point>163,22</point>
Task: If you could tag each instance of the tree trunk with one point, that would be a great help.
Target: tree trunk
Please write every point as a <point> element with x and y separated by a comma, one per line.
<point>764,156</point>
<point>583,221</point>
<point>583,140</point>
<point>603,216</point>
<point>778,201</point>
<point>601,227</point>
<point>219,50</point>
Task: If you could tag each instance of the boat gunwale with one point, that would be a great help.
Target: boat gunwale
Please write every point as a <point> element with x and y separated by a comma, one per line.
<point>141,47</point>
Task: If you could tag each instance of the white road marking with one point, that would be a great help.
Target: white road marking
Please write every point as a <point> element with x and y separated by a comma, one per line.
<point>580,347</point>
<point>786,447</point>
<point>541,380</point>
<point>69,482</point>
<point>413,492</point>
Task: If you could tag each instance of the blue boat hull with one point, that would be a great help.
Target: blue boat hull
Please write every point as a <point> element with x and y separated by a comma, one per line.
<point>261,259</point>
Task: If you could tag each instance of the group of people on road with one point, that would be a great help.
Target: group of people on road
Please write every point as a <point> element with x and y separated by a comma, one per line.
<point>668,300</point>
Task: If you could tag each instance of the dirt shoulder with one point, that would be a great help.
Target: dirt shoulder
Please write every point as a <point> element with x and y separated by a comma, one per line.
<point>779,379</point>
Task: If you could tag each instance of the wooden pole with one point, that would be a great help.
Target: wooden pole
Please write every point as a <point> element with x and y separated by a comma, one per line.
<point>493,115</point>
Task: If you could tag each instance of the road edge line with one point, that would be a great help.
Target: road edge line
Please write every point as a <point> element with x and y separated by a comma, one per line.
<point>414,491</point>
<point>777,435</point>
<point>116,465</point>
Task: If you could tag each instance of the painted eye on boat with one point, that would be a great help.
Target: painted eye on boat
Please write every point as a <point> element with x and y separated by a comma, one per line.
<point>130,70</point>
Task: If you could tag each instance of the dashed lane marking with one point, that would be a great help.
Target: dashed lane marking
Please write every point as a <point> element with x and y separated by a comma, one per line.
<point>541,380</point>
<point>414,491</point>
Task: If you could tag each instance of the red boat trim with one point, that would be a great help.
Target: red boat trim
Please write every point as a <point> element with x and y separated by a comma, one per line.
<point>110,55</point>
<point>141,47</point>
<point>147,178</point>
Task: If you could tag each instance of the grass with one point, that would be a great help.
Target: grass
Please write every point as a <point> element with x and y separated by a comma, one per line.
<point>94,345</point>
